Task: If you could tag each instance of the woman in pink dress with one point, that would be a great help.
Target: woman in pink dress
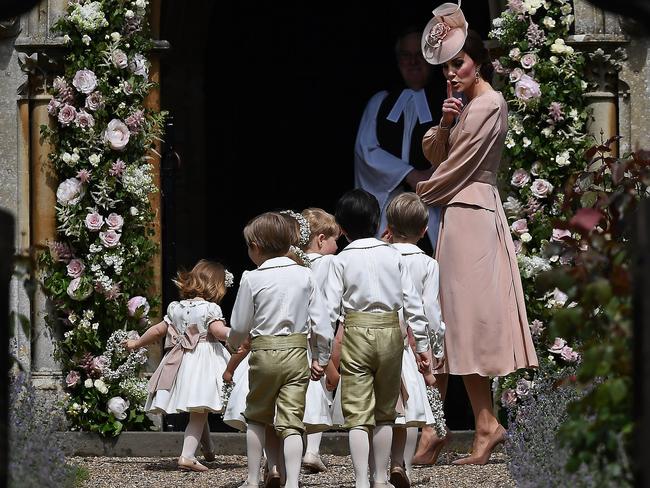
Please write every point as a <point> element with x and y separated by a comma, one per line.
<point>481,293</point>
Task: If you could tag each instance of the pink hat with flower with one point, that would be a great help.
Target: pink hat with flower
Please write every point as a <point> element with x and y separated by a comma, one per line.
<point>445,34</point>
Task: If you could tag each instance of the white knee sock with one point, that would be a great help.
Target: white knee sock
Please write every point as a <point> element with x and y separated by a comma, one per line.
<point>292,459</point>
<point>193,433</point>
<point>359,449</point>
<point>397,455</point>
<point>409,448</point>
<point>313,442</point>
<point>381,443</point>
<point>254,446</point>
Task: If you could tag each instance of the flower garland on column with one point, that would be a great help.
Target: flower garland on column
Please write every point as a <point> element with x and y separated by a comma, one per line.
<point>98,270</point>
<point>542,80</point>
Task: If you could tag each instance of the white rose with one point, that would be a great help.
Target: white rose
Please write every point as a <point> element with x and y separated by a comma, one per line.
<point>70,192</point>
<point>94,159</point>
<point>541,188</point>
<point>66,157</point>
<point>134,211</point>
<point>101,386</point>
<point>85,81</point>
<point>116,36</point>
<point>129,14</point>
<point>554,59</point>
<point>526,142</point>
<point>88,383</point>
<point>118,407</point>
<point>526,237</point>
<point>515,53</point>
<point>86,39</point>
<point>547,131</point>
<point>562,159</point>
<point>548,22</point>
<point>117,134</point>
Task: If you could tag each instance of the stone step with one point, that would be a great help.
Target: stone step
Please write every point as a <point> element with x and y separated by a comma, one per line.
<point>166,444</point>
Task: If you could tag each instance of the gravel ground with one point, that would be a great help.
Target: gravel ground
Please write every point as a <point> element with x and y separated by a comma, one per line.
<point>230,472</point>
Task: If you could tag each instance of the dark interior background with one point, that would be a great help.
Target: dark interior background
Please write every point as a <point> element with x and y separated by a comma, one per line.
<point>265,99</point>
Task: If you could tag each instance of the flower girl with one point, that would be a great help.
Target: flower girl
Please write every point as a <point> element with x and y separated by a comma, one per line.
<point>188,378</point>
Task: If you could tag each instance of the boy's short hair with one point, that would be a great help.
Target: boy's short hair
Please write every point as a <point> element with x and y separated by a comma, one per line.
<point>357,212</point>
<point>407,215</point>
<point>271,232</point>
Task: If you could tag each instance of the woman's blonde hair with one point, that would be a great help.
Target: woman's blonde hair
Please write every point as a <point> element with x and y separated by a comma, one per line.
<point>205,280</point>
<point>320,222</point>
<point>271,232</point>
<point>407,215</point>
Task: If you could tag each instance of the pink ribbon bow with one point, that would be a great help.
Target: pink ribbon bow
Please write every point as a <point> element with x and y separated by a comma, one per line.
<point>165,374</point>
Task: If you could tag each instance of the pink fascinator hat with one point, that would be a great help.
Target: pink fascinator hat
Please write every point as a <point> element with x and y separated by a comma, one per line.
<point>445,34</point>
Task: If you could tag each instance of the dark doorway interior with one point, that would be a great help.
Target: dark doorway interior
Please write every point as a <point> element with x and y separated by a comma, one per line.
<point>266,98</point>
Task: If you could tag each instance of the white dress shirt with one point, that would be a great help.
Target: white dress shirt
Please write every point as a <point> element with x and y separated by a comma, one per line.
<point>426,279</point>
<point>369,276</point>
<point>320,267</point>
<point>280,298</point>
<point>376,170</point>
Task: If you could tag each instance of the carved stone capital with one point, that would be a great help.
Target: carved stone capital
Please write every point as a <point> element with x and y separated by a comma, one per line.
<point>603,68</point>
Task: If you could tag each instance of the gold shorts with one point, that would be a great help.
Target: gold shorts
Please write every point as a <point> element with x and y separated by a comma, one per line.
<point>371,368</point>
<point>278,377</point>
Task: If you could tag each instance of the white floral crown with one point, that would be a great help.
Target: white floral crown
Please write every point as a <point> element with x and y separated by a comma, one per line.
<point>305,230</point>
<point>229,278</point>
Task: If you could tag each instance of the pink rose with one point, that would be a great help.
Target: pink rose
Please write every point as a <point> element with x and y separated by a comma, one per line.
<point>519,227</point>
<point>528,60</point>
<point>535,168</point>
<point>520,178</point>
<point>75,268</point>
<point>138,307</point>
<point>527,88</point>
<point>117,134</point>
<point>518,245</point>
<point>560,234</point>
<point>98,364</point>
<point>119,58</point>
<point>79,289</point>
<point>115,221</point>
<point>139,66</point>
<point>85,81</point>
<point>536,327</point>
<point>94,101</point>
<point>568,354</point>
<point>515,75</point>
<point>508,397</point>
<point>110,238</point>
<point>541,188</point>
<point>70,192</point>
<point>94,221</point>
<point>72,379</point>
<point>523,388</point>
<point>67,115</point>
<point>557,346</point>
<point>53,107</point>
<point>84,120</point>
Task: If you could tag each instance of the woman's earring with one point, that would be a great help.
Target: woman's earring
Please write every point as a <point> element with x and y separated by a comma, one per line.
<point>476,77</point>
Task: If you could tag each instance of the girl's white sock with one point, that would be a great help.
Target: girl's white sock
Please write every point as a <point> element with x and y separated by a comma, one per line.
<point>381,443</point>
<point>254,445</point>
<point>359,449</point>
<point>409,448</point>
<point>292,459</point>
<point>193,433</point>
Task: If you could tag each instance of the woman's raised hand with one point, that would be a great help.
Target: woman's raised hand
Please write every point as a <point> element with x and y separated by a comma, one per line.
<point>451,108</point>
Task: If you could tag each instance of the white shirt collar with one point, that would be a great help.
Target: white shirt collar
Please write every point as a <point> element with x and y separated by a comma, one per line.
<point>278,262</point>
<point>406,248</point>
<point>365,243</point>
<point>421,105</point>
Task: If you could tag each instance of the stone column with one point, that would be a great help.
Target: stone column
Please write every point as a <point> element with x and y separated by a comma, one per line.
<point>45,370</point>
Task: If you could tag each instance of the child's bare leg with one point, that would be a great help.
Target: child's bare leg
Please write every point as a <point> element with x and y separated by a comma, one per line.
<point>430,444</point>
<point>397,447</point>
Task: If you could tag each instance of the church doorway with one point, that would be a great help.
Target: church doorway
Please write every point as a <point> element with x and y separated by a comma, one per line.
<point>265,99</point>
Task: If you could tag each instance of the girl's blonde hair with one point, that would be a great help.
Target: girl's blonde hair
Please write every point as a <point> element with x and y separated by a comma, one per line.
<point>407,215</point>
<point>320,222</point>
<point>205,280</point>
<point>271,232</point>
